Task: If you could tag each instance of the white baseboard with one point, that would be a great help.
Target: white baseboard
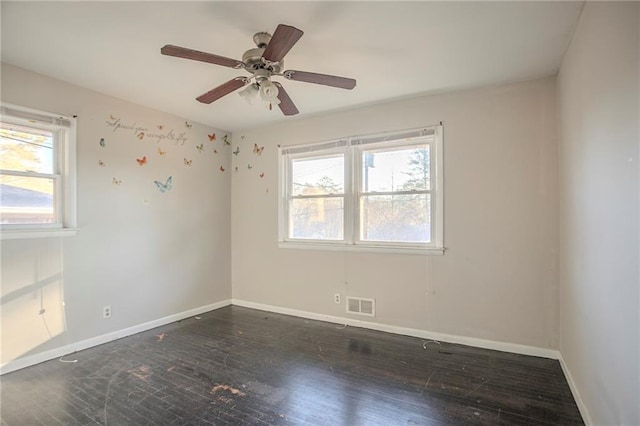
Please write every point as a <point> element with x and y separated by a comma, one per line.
<point>27,361</point>
<point>576,394</point>
<point>423,334</point>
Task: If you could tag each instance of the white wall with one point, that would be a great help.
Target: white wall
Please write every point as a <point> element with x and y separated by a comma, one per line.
<point>147,254</point>
<point>498,278</point>
<point>598,95</point>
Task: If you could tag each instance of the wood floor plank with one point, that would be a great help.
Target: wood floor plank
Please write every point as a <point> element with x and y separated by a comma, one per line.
<point>242,366</point>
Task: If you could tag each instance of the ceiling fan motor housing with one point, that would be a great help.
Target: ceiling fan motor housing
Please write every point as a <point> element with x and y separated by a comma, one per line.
<point>253,57</point>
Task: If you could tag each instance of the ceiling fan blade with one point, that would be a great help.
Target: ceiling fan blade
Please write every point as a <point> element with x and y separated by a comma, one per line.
<point>286,104</point>
<point>281,42</point>
<point>222,90</point>
<point>196,55</point>
<point>324,79</point>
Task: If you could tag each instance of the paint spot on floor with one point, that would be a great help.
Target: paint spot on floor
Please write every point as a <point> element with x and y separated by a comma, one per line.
<point>160,337</point>
<point>141,373</point>
<point>228,388</point>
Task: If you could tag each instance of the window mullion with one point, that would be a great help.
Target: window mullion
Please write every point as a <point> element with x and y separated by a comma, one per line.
<point>350,205</point>
<point>356,167</point>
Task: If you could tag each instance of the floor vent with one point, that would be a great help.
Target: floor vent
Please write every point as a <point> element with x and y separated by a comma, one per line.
<point>360,306</point>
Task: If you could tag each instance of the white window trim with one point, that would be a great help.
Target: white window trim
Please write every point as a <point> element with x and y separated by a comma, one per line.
<point>65,160</point>
<point>351,241</point>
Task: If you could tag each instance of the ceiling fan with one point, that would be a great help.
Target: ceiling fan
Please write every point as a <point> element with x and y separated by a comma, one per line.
<point>263,62</point>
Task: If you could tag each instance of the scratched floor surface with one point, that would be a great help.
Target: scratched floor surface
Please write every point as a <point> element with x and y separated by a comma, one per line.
<point>242,366</point>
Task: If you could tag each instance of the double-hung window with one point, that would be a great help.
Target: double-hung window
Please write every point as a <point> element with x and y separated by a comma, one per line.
<point>367,192</point>
<point>37,173</point>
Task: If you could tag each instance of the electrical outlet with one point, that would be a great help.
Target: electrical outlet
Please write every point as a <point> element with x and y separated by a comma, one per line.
<point>106,312</point>
<point>336,297</point>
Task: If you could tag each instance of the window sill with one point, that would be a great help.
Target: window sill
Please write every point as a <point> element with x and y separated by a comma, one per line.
<point>438,251</point>
<point>24,234</point>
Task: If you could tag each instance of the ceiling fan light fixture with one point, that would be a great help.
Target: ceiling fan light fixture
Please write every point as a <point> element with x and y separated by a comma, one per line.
<point>249,93</point>
<point>269,92</point>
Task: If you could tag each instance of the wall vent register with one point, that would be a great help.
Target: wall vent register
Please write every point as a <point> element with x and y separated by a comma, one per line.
<point>361,306</point>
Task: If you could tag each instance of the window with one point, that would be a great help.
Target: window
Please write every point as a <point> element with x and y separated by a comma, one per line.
<point>37,173</point>
<point>368,192</point>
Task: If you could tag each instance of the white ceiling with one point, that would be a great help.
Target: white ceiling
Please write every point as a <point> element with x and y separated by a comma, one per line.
<point>393,49</point>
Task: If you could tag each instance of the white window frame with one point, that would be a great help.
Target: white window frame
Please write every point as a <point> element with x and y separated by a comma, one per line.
<point>352,148</point>
<point>63,175</point>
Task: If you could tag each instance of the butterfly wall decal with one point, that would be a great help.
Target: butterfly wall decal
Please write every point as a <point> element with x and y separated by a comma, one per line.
<point>212,137</point>
<point>160,127</point>
<point>200,147</point>
<point>100,163</point>
<point>161,152</point>
<point>188,125</point>
<point>262,174</point>
<point>187,162</point>
<point>237,151</point>
<point>140,135</point>
<point>249,166</point>
<point>257,149</point>
<point>102,142</point>
<point>116,182</point>
<point>222,169</point>
<point>142,161</point>
<point>215,151</point>
<point>226,140</point>
<point>164,187</point>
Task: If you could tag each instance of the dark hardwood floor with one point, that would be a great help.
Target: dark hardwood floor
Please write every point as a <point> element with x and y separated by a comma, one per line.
<point>243,366</point>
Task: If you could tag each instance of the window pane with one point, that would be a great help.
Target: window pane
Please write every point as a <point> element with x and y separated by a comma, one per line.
<point>26,149</point>
<point>318,175</point>
<point>396,169</point>
<point>403,218</point>
<point>317,218</point>
<point>26,200</point>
